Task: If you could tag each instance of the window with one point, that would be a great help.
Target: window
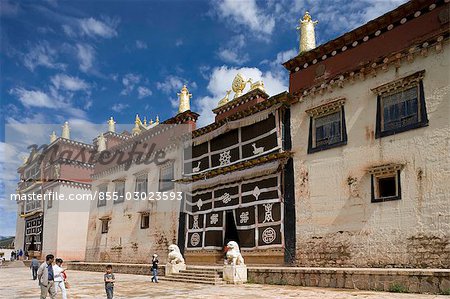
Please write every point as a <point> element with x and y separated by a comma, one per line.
<point>50,200</point>
<point>141,185</point>
<point>119,188</point>
<point>166,176</point>
<point>385,182</point>
<point>145,221</point>
<point>327,126</point>
<point>101,197</point>
<point>401,106</point>
<point>105,226</point>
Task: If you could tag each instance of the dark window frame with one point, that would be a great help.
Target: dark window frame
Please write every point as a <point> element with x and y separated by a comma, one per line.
<point>165,185</point>
<point>375,180</point>
<point>105,226</point>
<point>102,202</point>
<point>312,130</point>
<point>422,112</point>
<point>119,198</point>
<point>145,225</point>
<point>50,201</point>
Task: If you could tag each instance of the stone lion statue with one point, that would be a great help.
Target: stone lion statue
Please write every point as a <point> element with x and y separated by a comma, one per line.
<point>175,256</point>
<point>233,255</point>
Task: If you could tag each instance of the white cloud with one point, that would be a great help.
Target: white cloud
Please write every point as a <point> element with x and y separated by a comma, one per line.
<point>220,81</point>
<point>178,42</point>
<point>62,81</point>
<point>86,56</point>
<point>93,28</point>
<point>245,13</point>
<point>141,44</point>
<point>172,84</point>
<point>34,98</point>
<point>118,107</point>
<point>232,52</point>
<point>41,54</point>
<point>143,92</point>
<point>129,81</point>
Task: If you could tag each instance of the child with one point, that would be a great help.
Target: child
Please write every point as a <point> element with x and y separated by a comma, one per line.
<point>109,282</point>
<point>155,263</point>
<point>59,277</point>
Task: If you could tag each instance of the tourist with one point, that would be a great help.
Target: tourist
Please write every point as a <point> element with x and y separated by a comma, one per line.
<point>13,256</point>
<point>34,266</point>
<point>46,277</point>
<point>109,282</point>
<point>20,254</point>
<point>155,268</point>
<point>59,273</point>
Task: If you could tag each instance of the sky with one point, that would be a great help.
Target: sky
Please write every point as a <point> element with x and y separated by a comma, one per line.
<point>85,61</point>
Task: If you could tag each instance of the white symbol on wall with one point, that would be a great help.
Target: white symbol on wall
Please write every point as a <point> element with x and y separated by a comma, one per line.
<point>256,192</point>
<point>214,218</point>
<point>195,239</point>
<point>269,235</point>
<point>268,212</point>
<point>244,217</point>
<point>195,224</point>
<point>257,150</point>
<point>225,198</point>
<point>225,158</point>
<point>197,169</point>
<point>199,204</point>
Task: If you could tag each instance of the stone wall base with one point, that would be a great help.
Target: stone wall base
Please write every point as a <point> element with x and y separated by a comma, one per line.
<point>137,269</point>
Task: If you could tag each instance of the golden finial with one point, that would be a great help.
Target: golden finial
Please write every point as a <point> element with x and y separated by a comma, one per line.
<point>157,119</point>
<point>151,121</point>
<point>224,100</point>
<point>239,84</point>
<point>136,130</point>
<point>111,125</point>
<point>307,34</point>
<point>184,96</point>
<point>53,137</point>
<point>65,131</point>
<point>145,120</point>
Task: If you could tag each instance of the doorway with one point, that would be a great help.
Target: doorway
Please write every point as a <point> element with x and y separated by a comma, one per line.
<point>231,233</point>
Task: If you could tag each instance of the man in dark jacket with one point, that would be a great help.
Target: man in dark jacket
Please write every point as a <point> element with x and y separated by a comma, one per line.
<point>155,263</point>
<point>34,266</point>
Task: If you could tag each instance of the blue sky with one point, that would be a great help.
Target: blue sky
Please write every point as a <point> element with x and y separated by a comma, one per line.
<point>84,61</point>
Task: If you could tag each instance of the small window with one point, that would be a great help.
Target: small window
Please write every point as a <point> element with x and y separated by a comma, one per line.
<point>145,221</point>
<point>101,196</point>
<point>386,186</point>
<point>166,176</point>
<point>105,226</point>
<point>401,106</point>
<point>327,127</point>
<point>50,200</point>
<point>141,185</point>
<point>119,188</point>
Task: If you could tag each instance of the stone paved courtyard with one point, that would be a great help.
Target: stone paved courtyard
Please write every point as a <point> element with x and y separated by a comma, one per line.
<point>17,283</point>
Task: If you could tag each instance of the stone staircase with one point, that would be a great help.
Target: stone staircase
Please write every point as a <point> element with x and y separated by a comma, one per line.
<point>197,274</point>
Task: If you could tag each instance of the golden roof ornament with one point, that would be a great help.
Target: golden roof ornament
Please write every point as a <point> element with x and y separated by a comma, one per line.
<point>157,119</point>
<point>225,99</point>
<point>65,131</point>
<point>184,97</point>
<point>258,85</point>
<point>53,137</point>
<point>307,34</point>
<point>137,122</point>
<point>101,143</point>
<point>239,84</point>
<point>111,125</point>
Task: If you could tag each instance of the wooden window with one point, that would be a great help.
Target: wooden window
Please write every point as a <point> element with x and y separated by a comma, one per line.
<point>119,188</point>
<point>385,182</point>
<point>166,177</point>
<point>101,196</point>
<point>327,126</point>
<point>145,221</point>
<point>105,226</point>
<point>141,185</point>
<point>401,106</point>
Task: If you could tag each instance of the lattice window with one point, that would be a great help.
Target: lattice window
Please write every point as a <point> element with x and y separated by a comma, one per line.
<point>105,226</point>
<point>101,199</point>
<point>166,177</point>
<point>141,185</point>
<point>119,188</point>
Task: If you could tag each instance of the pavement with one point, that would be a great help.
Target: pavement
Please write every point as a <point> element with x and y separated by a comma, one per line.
<point>16,282</point>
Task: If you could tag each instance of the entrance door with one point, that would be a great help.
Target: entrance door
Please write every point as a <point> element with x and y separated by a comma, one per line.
<point>231,233</point>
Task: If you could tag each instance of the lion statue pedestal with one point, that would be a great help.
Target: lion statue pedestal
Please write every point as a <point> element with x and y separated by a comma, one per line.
<point>234,269</point>
<point>175,260</point>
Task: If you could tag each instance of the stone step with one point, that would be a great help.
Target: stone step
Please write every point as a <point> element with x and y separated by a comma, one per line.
<point>191,280</point>
<point>197,276</point>
<point>200,271</point>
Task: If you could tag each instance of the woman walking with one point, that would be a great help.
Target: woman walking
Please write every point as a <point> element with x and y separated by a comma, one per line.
<point>59,277</point>
<point>155,268</point>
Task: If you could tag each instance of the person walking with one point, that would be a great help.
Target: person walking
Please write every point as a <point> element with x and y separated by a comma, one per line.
<point>59,273</point>
<point>46,277</point>
<point>155,263</point>
<point>109,282</point>
<point>34,266</point>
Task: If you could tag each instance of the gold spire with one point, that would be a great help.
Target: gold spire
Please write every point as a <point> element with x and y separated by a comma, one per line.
<point>53,137</point>
<point>136,130</point>
<point>184,97</point>
<point>307,34</point>
<point>65,131</point>
<point>111,125</point>
<point>157,118</point>
<point>145,120</point>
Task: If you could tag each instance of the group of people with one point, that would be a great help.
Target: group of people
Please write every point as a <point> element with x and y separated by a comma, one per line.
<point>52,277</point>
<point>18,254</point>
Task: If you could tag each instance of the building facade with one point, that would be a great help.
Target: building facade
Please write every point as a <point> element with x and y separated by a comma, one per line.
<point>370,131</point>
<point>46,225</point>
